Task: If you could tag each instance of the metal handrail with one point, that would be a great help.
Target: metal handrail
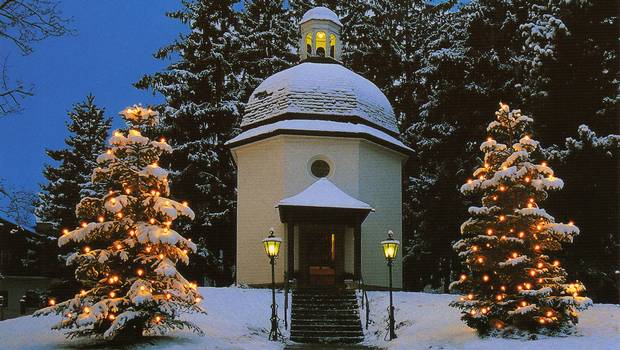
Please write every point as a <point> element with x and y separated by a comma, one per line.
<point>364,303</point>
<point>286,288</point>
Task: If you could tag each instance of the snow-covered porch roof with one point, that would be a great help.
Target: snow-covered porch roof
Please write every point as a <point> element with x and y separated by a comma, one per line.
<point>323,201</point>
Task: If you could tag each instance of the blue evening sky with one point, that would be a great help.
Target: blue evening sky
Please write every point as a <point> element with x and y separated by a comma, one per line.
<point>112,48</point>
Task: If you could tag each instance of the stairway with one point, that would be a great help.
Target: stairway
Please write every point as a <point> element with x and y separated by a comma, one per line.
<point>325,316</point>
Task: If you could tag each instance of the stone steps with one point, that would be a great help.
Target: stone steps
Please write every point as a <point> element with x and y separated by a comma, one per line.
<point>325,316</point>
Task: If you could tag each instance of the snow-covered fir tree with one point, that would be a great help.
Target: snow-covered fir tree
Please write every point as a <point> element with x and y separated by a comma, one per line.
<point>512,285</point>
<point>269,40</point>
<point>200,114</point>
<point>128,250</point>
<point>69,181</point>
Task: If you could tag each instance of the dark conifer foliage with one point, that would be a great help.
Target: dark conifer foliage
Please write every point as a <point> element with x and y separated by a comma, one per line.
<point>268,43</point>
<point>591,199</point>
<point>522,52</point>
<point>443,66</point>
<point>200,114</point>
<point>571,68</point>
<point>70,180</point>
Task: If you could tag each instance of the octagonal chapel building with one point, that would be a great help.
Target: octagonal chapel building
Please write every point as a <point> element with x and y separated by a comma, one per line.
<point>319,160</point>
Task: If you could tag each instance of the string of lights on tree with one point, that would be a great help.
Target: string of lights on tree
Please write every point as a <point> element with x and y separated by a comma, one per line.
<point>128,250</point>
<point>512,284</point>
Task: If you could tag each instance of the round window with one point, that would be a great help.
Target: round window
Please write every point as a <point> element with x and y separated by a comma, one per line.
<point>320,168</point>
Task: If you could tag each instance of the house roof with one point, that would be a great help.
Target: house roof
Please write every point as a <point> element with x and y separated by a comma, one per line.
<point>9,227</point>
<point>324,194</point>
<point>319,91</point>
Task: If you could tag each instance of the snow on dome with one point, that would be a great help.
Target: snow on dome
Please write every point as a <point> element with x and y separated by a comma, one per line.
<point>321,13</point>
<point>324,194</point>
<point>319,89</point>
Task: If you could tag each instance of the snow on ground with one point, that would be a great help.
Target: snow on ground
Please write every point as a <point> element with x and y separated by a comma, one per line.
<point>425,321</point>
<point>239,319</point>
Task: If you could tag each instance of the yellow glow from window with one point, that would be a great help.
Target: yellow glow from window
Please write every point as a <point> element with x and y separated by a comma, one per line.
<point>309,44</point>
<point>333,250</point>
<point>332,45</point>
<point>321,40</point>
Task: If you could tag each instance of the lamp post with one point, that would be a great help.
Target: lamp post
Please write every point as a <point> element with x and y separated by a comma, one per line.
<point>272,248</point>
<point>390,248</point>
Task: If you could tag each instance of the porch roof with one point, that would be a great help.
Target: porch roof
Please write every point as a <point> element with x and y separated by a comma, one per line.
<point>323,202</point>
<point>324,194</point>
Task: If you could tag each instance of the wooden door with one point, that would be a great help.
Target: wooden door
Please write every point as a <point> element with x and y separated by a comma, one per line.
<point>322,254</point>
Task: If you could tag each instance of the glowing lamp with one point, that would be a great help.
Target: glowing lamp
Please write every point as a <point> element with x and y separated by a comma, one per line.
<point>390,246</point>
<point>272,245</point>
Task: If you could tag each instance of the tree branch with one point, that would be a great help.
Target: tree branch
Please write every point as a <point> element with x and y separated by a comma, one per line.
<point>24,22</point>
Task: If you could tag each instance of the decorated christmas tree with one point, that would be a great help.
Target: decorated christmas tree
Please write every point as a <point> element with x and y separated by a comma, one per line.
<point>512,285</point>
<point>127,247</point>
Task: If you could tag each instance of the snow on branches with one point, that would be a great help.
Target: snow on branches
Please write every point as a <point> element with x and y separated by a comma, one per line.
<point>129,251</point>
<point>511,285</point>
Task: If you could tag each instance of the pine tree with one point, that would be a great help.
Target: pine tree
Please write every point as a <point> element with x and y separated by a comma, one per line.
<point>129,249</point>
<point>70,180</point>
<point>67,183</point>
<point>471,56</point>
<point>594,256</point>
<point>571,50</point>
<point>200,114</point>
<point>512,285</point>
<point>268,39</point>
<point>427,77</point>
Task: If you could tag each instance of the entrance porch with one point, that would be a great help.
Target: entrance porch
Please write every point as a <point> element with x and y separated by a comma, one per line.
<point>323,227</point>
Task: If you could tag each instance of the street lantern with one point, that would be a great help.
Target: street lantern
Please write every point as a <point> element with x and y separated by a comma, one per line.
<point>390,249</point>
<point>272,248</point>
<point>272,245</point>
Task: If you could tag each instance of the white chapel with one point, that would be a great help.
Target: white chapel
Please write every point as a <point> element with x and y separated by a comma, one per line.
<point>319,160</point>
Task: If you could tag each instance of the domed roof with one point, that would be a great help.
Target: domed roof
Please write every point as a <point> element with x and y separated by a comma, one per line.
<point>325,90</point>
<point>321,13</point>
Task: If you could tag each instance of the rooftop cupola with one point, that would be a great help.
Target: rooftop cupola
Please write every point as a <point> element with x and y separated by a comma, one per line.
<point>320,34</point>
